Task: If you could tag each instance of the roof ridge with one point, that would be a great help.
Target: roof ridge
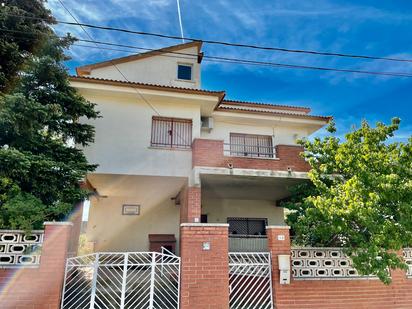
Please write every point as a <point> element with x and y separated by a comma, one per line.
<point>85,69</point>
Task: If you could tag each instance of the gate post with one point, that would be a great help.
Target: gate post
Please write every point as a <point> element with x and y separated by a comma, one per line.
<point>205,266</point>
<point>123,295</point>
<point>152,279</point>
<point>94,281</point>
<point>278,243</point>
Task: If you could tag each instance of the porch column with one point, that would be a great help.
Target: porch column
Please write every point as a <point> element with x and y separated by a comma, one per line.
<point>190,208</point>
<point>278,243</point>
<point>205,266</point>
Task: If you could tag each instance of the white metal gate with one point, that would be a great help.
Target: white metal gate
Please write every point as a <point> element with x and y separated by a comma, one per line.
<point>250,280</point>
<point>133,280</point>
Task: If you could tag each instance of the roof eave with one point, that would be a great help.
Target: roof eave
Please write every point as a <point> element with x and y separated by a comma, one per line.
<point>219,94</point>
<point>305,110</point>
<point>325,119</point>
<point>86,69</point>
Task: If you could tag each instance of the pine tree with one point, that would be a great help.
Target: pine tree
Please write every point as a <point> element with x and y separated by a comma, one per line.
<point>24,25</point>
<point>40,125</point>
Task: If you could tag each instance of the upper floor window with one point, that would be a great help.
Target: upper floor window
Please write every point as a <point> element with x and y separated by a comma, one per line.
<point>171,132</point>
<point>184,71</point>
<point>251,145</point>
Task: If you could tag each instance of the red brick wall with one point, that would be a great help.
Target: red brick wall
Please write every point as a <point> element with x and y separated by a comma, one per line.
<point>38,288</point>
<point>336,294</point>
<point>190,208</point>
<point>208,152</point>
<point>204,274</point>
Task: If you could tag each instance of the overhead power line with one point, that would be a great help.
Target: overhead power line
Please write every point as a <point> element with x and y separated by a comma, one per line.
<point>220,59</point>
<point>117,68</point>
<point>233,44</point>
<point>113,64</point>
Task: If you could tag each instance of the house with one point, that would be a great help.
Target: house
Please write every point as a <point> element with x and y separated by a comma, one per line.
<point>163,143</point>
<point>185,211</point>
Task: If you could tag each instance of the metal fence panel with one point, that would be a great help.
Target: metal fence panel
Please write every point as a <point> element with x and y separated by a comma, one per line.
<point>133,280</point>
<point>250,280</point>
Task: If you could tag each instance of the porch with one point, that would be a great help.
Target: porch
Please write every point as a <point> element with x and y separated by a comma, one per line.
<point>144,212</point>
<point>248,204</point>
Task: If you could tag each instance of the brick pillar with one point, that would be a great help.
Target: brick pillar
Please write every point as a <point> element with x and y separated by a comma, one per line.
<point>32,288</point>
<point>190,208</point>
<point>205,266</point>
<point>278,243</point>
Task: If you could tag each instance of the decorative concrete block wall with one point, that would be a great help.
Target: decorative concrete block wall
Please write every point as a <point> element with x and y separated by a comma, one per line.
<point>322,263</point>
<point>342,290</point>
<point>20,249</point>
<point>407,255</point>
<point>38,286</point>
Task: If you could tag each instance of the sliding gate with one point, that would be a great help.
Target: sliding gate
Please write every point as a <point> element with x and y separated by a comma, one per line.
<point>135,280</point>
<point>250,280</point>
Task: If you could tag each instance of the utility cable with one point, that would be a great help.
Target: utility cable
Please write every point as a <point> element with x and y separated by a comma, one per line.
<point>233,44</point>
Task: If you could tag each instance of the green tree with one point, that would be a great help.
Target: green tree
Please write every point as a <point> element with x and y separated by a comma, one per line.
<point>359,197</point>
<point>18,18</point>
<point>40,167</point>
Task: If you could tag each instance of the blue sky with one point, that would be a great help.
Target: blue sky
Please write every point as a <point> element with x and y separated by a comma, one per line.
<point>381,28</point>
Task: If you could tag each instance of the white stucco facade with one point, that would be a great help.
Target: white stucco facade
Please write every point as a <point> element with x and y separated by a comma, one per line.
<point>218,210</point>
<point>157,69</point>
<point>132,171</point>
<point>123,134</point>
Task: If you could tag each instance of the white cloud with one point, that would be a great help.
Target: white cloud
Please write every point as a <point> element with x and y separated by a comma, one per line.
<point>373,66</point>
<point>292,24</point>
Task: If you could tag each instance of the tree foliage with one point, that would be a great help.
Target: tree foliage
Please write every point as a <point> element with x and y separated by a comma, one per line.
<point>359,197</point>
<point>24,25</point>
<point>40,168</point>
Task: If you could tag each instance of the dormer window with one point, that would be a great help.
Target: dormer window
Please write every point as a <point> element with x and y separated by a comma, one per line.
<point>184,71</point>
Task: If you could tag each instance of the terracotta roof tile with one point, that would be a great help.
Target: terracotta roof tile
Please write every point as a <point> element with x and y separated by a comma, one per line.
<point>238,106</point>
<point>266,105</point>
<point>115,82</point>
<point>284,114</point>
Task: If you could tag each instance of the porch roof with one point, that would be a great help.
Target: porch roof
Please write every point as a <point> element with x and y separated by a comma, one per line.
<point>246,187</point>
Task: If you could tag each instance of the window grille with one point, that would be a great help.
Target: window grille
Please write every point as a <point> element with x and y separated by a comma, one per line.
<point>171,132</point>
<point>247,226</point>
<point>251,145</point>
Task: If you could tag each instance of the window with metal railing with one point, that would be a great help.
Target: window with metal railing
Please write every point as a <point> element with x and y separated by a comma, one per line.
<point>171,132</point>
<point>251,145</point>
<point>247,226</point>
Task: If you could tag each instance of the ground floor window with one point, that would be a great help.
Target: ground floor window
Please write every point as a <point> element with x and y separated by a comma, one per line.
<point>247,226</point>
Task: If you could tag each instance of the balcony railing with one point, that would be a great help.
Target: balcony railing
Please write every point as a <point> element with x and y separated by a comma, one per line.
<point>249,151</point>
<point>248,243</point>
